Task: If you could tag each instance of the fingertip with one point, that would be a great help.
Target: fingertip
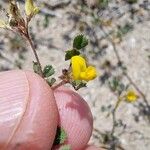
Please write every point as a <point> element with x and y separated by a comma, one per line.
<point>44,104</point>
<point>75,117</point>
<point>29,112</point>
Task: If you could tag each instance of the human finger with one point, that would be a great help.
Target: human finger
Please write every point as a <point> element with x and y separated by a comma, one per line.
<point>74,117</point>
<point>28,112</point>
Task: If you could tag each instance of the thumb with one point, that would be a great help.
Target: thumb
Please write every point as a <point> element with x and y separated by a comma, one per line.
<point>28,112</point>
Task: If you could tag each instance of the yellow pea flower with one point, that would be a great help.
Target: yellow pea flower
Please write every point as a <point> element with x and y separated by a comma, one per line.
<point>30,9</point>
<point>89,74</point>
<point>131,96</point>
<point>80,71</point>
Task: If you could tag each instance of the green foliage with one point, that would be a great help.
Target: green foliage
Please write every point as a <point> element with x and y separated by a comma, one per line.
<point>36,68</point>
<point>117,86</point>
<point>46,21</point>
<point>51,81</point>
<point>80,41</point>
<point>77,84</point>
<point>103,3</point>
<point>71,53</point>
<point>61,136</point>
<point>65,147</point>
<point>114,84</point>
<point>124,30</point>
<point>48,71</point>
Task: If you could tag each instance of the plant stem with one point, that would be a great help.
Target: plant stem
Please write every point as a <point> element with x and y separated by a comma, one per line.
<point>114,122</point>
<point>35,53</point>
<point>32,45</point>
<point>125,73</point>
<point>63,82</point>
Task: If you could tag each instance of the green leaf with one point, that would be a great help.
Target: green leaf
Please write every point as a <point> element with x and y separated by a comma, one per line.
<point>61,136</point>
<point>36,68</point>
<point>114,84</point>
<point>65,147</point>
<point>70,53</point>
<point>124,30</point>
<point>80,42</point>
<point>48,71</point>
<point>46,21</point>
<point>103,3</point>
<point>78,84</point>
<point>51,81</point>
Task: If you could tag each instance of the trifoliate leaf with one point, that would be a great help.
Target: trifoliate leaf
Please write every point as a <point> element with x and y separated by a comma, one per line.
<point>36,68</point>
<point>61,136</point>
<point>80,42</point>
<point>51,81</point>
<point>65,147</point>
<point>48,71</point>
<point>70,53</point>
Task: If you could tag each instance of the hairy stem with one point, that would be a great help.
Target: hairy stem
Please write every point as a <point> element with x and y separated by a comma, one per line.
<point>63,82</point>
<point>35,53</point>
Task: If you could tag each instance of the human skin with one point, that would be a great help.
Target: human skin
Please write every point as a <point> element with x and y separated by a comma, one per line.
<point>30,114</point>
<point>75,117</point>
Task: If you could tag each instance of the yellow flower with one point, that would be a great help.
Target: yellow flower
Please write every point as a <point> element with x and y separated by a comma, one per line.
<point>80,71</point>
<point>131,96</point>
<point>30,9</point>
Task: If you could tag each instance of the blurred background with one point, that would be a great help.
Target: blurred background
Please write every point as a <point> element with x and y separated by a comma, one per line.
<point>119,47</point>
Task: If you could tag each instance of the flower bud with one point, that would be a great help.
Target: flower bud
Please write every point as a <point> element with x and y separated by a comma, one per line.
<point>30,9</point>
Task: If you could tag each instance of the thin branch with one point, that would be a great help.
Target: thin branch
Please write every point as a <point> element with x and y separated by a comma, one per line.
<point>35,53</point>
<point>58,5</point>
<point>124,73</point>
<point>59,85</point>
<point>114,123</point>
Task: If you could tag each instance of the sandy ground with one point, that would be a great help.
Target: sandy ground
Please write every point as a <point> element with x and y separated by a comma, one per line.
<point>134,51</point>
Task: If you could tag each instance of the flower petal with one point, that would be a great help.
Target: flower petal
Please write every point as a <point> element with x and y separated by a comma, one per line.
<point>89,74</point>
<point>131,96</point>
<point>78,66</point>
